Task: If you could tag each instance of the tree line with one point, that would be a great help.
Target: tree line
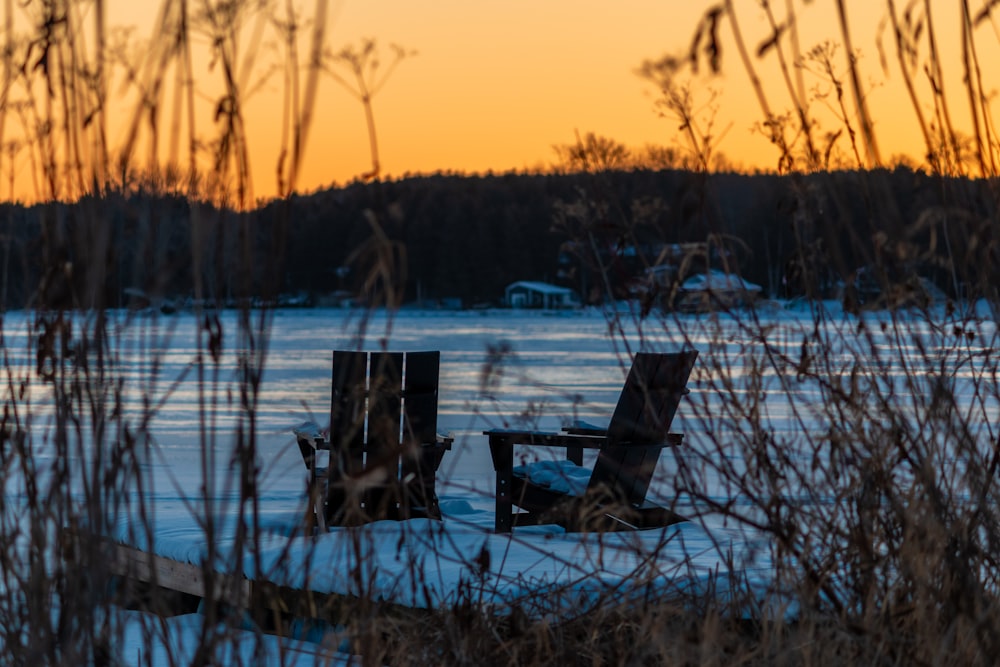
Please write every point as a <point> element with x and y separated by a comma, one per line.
<point>464,238</point>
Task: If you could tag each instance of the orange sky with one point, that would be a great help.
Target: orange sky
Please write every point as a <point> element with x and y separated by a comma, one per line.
<point>495,85</point>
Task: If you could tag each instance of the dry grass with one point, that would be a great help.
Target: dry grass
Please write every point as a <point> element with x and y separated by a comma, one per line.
<point>883,521</point>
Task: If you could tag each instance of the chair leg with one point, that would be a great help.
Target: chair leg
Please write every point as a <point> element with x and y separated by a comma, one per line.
<point>319,510</point>
<point>502,452</point>
<point>316,514</point>
<point>316,494</point>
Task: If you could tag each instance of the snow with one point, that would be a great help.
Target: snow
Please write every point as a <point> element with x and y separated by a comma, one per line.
<point>719,281</point>
<point>562,476</point>
<point>556,370</point>
<point>553,371</point>
<point>536,286</point>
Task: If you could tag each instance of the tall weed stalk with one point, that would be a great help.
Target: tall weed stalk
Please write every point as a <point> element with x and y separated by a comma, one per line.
<point>856,431</point>
<point>78,414</point>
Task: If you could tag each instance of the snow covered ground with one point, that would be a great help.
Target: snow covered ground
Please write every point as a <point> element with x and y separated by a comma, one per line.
<point>557,368</point>
<point>554,368</point>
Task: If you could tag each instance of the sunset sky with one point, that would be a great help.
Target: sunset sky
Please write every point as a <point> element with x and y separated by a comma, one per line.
<point>495,85</point>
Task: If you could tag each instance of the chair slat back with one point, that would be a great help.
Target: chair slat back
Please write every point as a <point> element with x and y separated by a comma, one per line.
<point>385,394</point>
<point>383,408</point>
<point>421,397</point>
<point>348,409</point>
<point>648,402</point>
<point>420,407</point>
<point>641,421</point>
<point>385,404</point>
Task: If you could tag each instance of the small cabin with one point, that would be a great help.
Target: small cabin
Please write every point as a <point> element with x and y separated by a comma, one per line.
<point>531,294</point>
<point>716,289</point>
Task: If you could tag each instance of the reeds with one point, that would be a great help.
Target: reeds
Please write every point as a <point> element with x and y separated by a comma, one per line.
<point>860,447</point>
<point>77,421</point>
<point>863,445</point>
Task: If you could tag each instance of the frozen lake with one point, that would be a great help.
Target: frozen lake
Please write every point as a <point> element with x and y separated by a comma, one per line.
<point>782,404</point>
<point>553,368</point>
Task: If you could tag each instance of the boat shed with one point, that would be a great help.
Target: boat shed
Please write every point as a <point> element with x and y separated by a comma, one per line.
<point>531,294</point>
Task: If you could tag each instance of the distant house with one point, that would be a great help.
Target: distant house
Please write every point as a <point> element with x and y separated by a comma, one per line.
<point>530,294</point>
<point>716,289</point>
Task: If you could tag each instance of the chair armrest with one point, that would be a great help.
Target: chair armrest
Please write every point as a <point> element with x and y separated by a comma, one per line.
<point>547,439</point>
<point>442,441</point>
<point>570,439</point>
<point>311,434</point>
<point>583,428</point>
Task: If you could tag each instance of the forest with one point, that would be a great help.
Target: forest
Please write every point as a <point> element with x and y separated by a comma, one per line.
<point>460,239</point>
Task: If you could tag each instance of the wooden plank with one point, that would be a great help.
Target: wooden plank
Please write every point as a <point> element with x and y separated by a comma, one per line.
<point>629,409</point>
<point>347,434</point>
<point>174,575</point>
<point>421,398</point>
<point>275,608</point>
<point>385,389</point>
<point>639,426</point>
<point>421,451</point>
<point>637,472</point>
<point>347,408</point>
<point>668,386</point>
<point>651,395</point>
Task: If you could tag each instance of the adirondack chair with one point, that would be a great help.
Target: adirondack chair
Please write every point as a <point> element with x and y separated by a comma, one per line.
<point>615,495</point>
<point>384,450</point>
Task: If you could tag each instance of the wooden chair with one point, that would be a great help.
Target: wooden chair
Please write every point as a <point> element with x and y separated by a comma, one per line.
<point>628,450</point>
<point>383,441</point>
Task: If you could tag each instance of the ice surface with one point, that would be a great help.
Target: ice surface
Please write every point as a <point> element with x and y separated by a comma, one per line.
<point>498,370</point>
